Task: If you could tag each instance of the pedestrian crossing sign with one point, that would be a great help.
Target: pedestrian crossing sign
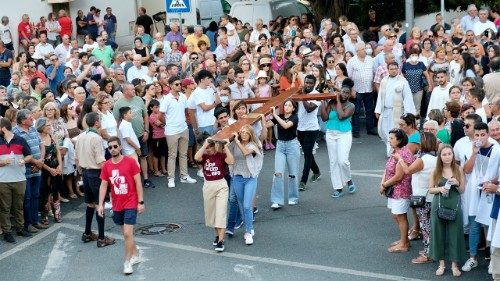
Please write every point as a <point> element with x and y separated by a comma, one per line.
<point>178,6</point>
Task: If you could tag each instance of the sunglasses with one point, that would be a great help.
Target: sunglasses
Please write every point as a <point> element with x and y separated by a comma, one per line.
<point>194,58</point>
<point>112,146</point>
<point>176,84</point>
<point>330,61</point>
<point>25,66</point>
<point>266,65</point>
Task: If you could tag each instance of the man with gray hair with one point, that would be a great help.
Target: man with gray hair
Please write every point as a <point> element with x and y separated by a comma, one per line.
<point>14,82</point>
<point>27,131</point>
<point>467,22</point>
<point>174,34</point>
<point>495,107</point>
<point>258,30</point>
<point>494,127</point>
<point>483,24</point>
<point>196,37</point>
<point>89,158</point>
<point>360,70</point>
<point>138,70</point>
<point>492,80</point>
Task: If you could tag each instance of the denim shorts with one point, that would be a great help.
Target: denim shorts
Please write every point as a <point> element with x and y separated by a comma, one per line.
<point>127,216</point>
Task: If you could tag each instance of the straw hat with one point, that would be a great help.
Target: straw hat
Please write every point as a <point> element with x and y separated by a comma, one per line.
<point>306,52</point>
<point>261,74</point>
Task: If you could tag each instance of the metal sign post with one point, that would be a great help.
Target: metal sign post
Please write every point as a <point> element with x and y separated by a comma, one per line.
<point>178,7</point>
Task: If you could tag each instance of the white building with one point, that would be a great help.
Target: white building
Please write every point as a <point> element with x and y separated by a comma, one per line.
<point>124,10</point>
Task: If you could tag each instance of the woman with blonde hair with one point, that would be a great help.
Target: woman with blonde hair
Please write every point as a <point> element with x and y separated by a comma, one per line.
<point>447,183</point>
<point>248,157</point>
<point>415,38</point>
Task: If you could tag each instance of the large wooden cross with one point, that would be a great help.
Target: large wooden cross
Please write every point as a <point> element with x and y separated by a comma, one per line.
<point>266,108</point>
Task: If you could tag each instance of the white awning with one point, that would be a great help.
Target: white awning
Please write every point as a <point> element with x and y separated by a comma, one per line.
<point>58,1</point>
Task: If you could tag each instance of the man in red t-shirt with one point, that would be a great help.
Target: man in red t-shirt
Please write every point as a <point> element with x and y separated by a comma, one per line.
<point>25,31</point>
<point>65,23</point>
<point>123,176</point>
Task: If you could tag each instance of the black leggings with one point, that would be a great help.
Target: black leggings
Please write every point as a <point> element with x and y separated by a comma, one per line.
<point>307,139</point>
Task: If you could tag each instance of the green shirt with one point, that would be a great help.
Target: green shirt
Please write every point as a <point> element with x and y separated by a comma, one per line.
<point>138,113</point>
<point>104,55</point>
<point>444,136</point>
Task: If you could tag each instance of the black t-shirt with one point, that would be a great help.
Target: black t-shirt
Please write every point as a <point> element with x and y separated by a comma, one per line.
<point>290,133</point>
<point>145,21</point>
<point>372,23</point>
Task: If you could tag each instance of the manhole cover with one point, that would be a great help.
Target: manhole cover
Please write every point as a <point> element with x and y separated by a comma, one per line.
<point>158,228</point>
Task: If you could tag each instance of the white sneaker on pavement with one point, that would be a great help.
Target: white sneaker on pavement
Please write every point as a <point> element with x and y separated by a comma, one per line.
<point>135,259</point>
<point>171,182</point>
<point>200,173</point>
<point>187,179</point>
<point>469,265</point>
<point>127,268</point>
<point>275,206</point>
<point>248,238</point>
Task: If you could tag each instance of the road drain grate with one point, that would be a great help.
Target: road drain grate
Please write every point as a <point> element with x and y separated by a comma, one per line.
<point>158,228</point>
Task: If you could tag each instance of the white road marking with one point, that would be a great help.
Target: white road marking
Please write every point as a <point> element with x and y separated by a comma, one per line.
<point>368,171</point>
<point>226,254</point>
<point>56,268</point>
<point>248,271</point>
<point>366,175</point>
<point>31,241</point>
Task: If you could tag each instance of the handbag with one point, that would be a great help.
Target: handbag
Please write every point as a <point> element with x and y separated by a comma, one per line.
<point>417,201</point>
<point>388,191</point>
<point>445,213</point>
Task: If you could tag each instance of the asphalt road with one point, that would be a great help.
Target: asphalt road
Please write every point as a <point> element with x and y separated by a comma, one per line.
<point>319,239</point>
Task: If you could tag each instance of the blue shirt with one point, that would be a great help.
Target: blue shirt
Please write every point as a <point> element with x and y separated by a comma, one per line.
<point>413,73</point>
<point>334,123</point>
<point>33,139</point>
<point>110,23</point>
<point>414,138</point>
<point>58,78</point>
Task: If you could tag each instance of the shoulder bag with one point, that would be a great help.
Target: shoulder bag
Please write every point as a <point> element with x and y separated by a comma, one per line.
<point>445,213</point>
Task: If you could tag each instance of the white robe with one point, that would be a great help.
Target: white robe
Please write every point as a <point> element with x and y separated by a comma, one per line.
<point>394,99</point>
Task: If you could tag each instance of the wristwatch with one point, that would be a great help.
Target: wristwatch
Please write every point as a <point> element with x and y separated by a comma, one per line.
<point>141,202</point>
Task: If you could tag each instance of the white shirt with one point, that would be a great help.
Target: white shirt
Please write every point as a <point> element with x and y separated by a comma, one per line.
<point>86,47</point>
<point>480,27</point>
<point>5,34</point>
<point>108,122</point>
<point>308,121</point>
<point>420,180</point>
<point>254,36</point>
<point>134,72</point>
<point>126,131</point>
<point>206,96</point>
<point>467,22</point>
<point>233,39</point>
<point>463,150</point>
<point>61,52</point>
<point>69,157</point>
<point>42,49</point>
<point>481,112</point>
<point>175,115</point>
<point>361,72</point>
<point>439,97</point>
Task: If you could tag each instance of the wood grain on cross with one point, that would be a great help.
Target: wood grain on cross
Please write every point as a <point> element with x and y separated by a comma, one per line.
<point>266,108</point>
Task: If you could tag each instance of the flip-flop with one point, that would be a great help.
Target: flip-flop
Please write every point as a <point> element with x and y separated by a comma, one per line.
<point>456,272</point>
<point>397,249</point>
<point>395,243</point>
<point>440,271</point>
<point>421,260</point>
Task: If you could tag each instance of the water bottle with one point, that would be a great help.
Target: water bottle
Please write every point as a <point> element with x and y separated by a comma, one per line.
<point>447,186</point>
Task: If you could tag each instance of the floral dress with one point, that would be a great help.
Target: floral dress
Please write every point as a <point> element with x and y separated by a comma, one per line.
<point>402,189</point>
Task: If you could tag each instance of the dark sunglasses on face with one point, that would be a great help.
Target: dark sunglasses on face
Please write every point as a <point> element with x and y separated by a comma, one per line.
<point>194,58</point>
<point>266,65</point>
<point>176,84</point>
<point>115,146</point>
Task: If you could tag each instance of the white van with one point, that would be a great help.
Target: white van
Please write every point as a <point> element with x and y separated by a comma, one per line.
<point>202,12</point>
<point>250,11</point>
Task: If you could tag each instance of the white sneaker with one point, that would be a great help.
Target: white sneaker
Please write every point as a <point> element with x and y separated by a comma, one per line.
<point>107,205</point>
<point>127,268</point>
<point>200,173</point>
<point>490,269</point>
<point>275,206</point>
<point>135,259</point>
<point>291,203</point>
<point>248,238</point>
<point>187,179</point>
<point>469,265</point>
<point>171,182</point>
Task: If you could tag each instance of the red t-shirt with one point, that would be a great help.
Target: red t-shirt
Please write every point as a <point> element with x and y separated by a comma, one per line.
<point>66,26</point>
<point>24,27</point>
<point>214,166</point>
<point>120,177</point>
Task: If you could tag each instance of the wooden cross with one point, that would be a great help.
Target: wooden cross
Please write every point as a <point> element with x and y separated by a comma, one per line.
<point>266,108</point>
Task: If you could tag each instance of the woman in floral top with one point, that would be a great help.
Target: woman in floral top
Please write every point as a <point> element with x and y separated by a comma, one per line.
<point>394,177</point>
<point>175,56</point>
<point>58,129</point>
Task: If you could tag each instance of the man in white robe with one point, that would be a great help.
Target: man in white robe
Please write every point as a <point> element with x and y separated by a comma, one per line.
<point>394,99</point>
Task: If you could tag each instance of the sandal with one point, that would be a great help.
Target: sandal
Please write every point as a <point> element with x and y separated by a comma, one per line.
<point>421,260</point>
<point>158,174</point>
<point>395,243</point>
<point>440,271</point>
<point>415,235</point>
<point>456,272</point>
<point>398,249</point>
<point>73,196</point>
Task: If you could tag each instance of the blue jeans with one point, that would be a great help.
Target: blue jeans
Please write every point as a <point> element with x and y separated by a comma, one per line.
<point>233,207</point>
<point>287,154</point>
<point>242,191</point>
<point>365,99</point>
<point>208,129</point>
<point>31,199</point>
<point>474,233</point>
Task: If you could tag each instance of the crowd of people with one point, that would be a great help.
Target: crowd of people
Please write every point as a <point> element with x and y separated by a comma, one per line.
<point>83,117</point>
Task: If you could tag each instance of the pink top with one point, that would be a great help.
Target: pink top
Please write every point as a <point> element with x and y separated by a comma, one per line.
<point>497,22</point>
<point>158,132</point>
<point>402,190</point>
<point>264,91</point>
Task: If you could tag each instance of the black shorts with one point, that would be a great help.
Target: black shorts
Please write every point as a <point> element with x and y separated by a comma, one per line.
<point>127,216</point>
<point>144,147</point>
<point>159,147</point>
<point>91,185</point>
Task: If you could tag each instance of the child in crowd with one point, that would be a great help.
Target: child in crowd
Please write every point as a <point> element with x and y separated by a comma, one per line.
<point>130,143</point>
<point>158,142</point>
